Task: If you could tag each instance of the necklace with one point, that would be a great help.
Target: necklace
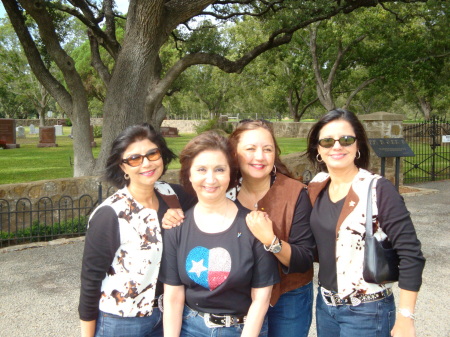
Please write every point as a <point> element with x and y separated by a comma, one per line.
<point>248,197</point>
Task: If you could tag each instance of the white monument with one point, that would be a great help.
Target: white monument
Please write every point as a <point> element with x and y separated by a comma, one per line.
<point>58,130</point>
<point>33,130</point>
<point>20,132</point>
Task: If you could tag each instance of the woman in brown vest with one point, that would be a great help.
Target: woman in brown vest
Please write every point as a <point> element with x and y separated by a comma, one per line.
<point>280,220</point>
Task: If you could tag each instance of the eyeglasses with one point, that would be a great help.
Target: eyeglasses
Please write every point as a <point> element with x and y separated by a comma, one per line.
<point>137,159</point>
<point>343,141</point>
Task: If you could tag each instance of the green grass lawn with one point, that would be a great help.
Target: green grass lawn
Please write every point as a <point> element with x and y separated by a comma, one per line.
<point>30,163</point>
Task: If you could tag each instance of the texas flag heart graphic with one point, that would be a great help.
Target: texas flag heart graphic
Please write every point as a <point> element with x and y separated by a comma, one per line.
<point>208,267</point>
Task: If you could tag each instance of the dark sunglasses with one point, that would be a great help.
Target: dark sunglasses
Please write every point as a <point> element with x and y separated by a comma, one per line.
<point>343,141</point>
<point>137,159</point>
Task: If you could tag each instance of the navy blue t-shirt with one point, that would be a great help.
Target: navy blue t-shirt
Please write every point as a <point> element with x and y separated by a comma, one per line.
<point>218,270</point>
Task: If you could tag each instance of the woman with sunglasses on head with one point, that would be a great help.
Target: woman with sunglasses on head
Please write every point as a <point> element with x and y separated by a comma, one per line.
<point>279,219</point>
<point>123,247</point>
<point>346,304</point>
<point>217,276</point>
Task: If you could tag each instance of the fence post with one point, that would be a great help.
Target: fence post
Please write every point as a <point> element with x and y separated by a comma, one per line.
<point>100,192</point>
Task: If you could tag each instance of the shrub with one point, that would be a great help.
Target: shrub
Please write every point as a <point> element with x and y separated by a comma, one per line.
<point>68,122</point>
<point>98,131</point>
<point>41,232</point>
<point>214,124</point>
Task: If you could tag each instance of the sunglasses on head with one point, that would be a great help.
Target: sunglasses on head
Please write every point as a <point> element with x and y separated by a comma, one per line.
<point>343,141</point>
<point>137,159</point>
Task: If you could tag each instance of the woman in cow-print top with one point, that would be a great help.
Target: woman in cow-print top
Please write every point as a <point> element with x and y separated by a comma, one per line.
<point>346,304</point>
<point>123,247</point>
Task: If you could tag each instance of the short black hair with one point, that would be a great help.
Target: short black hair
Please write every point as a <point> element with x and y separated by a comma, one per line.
<point>361,138</point>
<point>113,173</point>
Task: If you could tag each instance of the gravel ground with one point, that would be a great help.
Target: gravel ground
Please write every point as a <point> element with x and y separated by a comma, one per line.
<point>39,284</point>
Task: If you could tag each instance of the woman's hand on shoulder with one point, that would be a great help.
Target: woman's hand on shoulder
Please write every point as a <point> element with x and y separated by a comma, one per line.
<point>260,225</point>
<point>174,217</point>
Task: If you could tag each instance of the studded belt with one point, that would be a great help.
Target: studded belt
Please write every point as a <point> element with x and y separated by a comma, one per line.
<point>333,299</point>
<point>222,320</point>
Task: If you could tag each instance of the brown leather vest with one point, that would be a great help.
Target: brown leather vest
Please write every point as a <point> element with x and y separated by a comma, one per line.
<point>279,203</point>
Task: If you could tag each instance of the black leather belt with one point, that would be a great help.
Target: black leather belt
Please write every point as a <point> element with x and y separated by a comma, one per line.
<point>333,299</point>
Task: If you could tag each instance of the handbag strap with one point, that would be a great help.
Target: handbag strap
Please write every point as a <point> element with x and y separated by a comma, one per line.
<point>369,225</point>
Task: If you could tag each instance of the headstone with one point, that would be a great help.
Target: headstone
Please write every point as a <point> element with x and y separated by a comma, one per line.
<point>47,137</point>
<point>169,131</point>
<point>8,133</point>
<point>91,134</point>
<point>58,130</point>
<point>33,130</point>
<point>20,132</point>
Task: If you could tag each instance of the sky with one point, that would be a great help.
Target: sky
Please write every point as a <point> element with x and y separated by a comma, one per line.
<point>122,5</point>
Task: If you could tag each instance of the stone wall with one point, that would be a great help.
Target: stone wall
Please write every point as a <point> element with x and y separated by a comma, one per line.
<point>383,125</point>
<point>52,121</point>
<point>183,126</point>
<point>378,125</point>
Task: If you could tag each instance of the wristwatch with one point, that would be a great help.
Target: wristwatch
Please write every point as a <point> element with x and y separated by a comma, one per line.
<point>406,313</point>
<point>274,247</point>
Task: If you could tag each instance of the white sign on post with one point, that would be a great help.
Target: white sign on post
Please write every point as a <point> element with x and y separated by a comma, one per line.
<point>446,139</point>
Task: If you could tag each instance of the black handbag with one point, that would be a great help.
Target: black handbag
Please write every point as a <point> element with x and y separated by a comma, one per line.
<point>380,259</point>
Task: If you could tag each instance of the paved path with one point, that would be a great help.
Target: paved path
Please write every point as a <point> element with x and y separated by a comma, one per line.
<point>39,286</point>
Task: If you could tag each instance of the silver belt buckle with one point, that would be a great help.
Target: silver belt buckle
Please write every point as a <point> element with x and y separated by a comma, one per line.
<point>208,323</point>
<point>327,294</point>
<point>355,301</point>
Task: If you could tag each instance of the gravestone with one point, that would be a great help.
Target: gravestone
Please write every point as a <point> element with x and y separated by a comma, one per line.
<point>33,130</point>
<point>20,131</point>
<point>58,130</point>
<point>169,131</point>
<point>91,135</point>
<point>47,137</point>
<point>8,133</point>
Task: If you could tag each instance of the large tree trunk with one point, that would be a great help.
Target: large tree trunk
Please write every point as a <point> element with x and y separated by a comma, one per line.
<point>425,107</point>
<point>136,73</point>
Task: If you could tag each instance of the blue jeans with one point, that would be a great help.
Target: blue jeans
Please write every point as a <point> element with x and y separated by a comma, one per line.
<point>110,325</point>
<point>292,314</point>
<point>194,326</point>
<point>370,319</point>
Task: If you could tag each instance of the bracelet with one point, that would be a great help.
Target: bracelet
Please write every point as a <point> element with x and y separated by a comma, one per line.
<point>406,313</point>
<point>268,249</point>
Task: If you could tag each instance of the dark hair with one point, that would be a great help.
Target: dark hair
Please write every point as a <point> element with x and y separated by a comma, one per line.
<point>206,141</point>
<point>247,125</point>
<point>360,133</point>
<point>113,173</point>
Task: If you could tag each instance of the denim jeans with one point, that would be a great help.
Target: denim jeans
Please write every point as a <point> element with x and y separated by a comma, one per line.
<point>369,319</point>
<point>292,314</point>
<point>194,326</point>
<point>109,325</point>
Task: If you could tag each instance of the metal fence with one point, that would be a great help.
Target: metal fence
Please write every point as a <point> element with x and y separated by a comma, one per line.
<point>430,142</point>
<point>45,220</point>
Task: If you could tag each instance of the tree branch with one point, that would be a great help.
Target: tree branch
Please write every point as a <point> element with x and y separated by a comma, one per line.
<point>358,89</point>
<point>96,60</point>
<point>33,56</point>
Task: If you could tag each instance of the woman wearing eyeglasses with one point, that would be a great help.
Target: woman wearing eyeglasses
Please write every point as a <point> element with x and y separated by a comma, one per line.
<point>347,305</point>
<point>123,247</point>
